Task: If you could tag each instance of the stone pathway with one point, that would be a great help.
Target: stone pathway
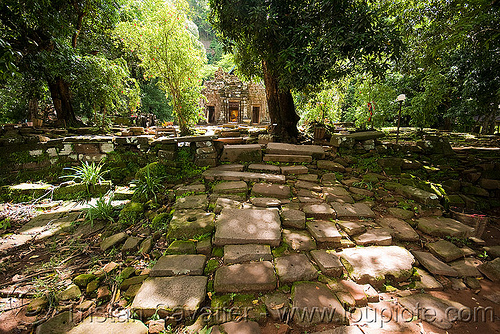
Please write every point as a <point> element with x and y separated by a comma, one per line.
<point>281,241</point>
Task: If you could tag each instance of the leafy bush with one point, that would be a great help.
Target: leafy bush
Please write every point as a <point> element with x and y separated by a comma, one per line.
<point>88,174</point>
<point>148,186</point>
<point>102,210</point>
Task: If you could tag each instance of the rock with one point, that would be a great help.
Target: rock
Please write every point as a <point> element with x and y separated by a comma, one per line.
<point>337,194</point>
<point>156,326</point>
<point>308,296</point>
<point>308,177</point>
<point>190,189</point>
<point>92,287</point>
<point>294,170</point>
<point>319,211</point>
<point>192,202</point>
<point>457,284</point>
<point>60,324</point>
<point>434,265</point>
<point>281,148</point>
<point>328,262</point>
<point>131,213</point>
<point>308,186</point>
<point>324,231</point>
<point>331,166</point>
<point>132,291</point>
<point>255,276</point>
<point>445,250</point>
<point>287,158</point>
<point>329,179</point>
<point>181,247</point>
<point>170,294</point>
<point>146,246</point>
<point>475,191</point>
<point>246,253</point>
<point>276,304</point>
<point>174,265</point>
<point>103,294</point>
<point>95,324</point>
<point>401,213</point>
<point>237,327</point>
<point>242,153</point>
<point>441,227</point>
<point>131,244</point>
<point>85,305</point>
<point>83,279</point>
<point>371,265</point>
<point>374,236</point>
<point>473,283</point>
<point>427,281</point>
<point>231,187</point>
<point>356,210</point>
<point>352,228</point>
<point>265,202</point>
<point>132,281</point>
<point>391,166</point>
<point>223,203</point>
<point>400,229</point>
<point>294,267</point>
<point>433,310</point>
<point>361,192</point>
<point>71,292</point>
<point>215,175</point>
<point>189,224</point>
<point>265,168</point>
<point>293,218</point>
<point>271,190</point>
<point>298,240</point>
<point>113,240</point>
<point>491,269</point>
<point>419,195</point>
<point>36,306</point>
<point>248,226</point>
<point>493,251</point>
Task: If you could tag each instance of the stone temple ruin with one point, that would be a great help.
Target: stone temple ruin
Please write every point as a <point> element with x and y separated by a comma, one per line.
<point>230,100</point>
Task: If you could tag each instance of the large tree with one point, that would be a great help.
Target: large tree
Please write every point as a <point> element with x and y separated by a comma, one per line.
<point>295,45</point>
<point>52,38</point>
<point>167,44</point>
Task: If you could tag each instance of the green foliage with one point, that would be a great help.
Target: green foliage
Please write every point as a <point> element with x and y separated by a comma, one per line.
<point>148,186</point>
<point>153,101</point>
<point>5,224</point>
<point>89,174</point>
<point>166,43</point>
<point>101,210</point>
<point>161,221</point>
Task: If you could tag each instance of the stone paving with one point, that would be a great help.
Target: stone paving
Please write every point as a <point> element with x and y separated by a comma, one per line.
<point>288,239</point>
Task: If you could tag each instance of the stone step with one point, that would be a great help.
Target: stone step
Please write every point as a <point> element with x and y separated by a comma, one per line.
<point>290,149</point>
<point>231,187</point>
<point>175,265</point>
<point>287,158</point>
<point>324,231</point>
<point>231,140</point>
<point>279,191</point>
<point>263,168</point>
<point>217,175</point>
<point>242,153</point>
<point>433,264</point>
<point>294,267</point>
<point>248,226</point>
<point>248,277</point>
<point>245,253</point>
<point>294,170</point>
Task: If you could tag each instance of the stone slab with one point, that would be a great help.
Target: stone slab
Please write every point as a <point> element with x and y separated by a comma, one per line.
<point>298,240</point>
<point>337,194</point>
<point>433,264</point>
<point>193,188</point>
<point>432,309</point>
<point>263,168</point>
<point>287,158</point>
<point>371,265</point>
<point>247,277</point>
<point>230,167</point>
<point>491,269</point>
<point>308,185</point>
<point>324,231</point>
<point>400,229</point>
<point>427,281</point>
<point>445,250</point>
<point>216,175</point>
<point>192,202</point>
<point>113,240</point>
<point>231,187</point>
<point>352,227</point>
<point>401,213</point>
<point>374,236</point>
<point>189,224</point>
<point>170,294</point>
<point>237,327</point>
<point>294,267</point>
<point>265,202</point>
<point>442,227</point>
<point>328,262</point>
<point>308,177</point>
<point>245,253</point>
<point>294,170</point>
<point>293,218</point>
<point>94,324</point>
<point>419,195</point>
<point>279,191</point>
<point>242,153</point>
<point>356,210</point>
<point>467,267</point>
<point>248,226</point>
<point>175,265</point>
<point>283,148</point>
<point>331,166</point>
<point>308,296</point>
<point>319,211</point>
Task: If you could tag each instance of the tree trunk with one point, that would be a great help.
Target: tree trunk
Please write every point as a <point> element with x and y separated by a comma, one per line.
<point>61,97</point>
<point>281,108</point>
<point>33,108</point>
<point>488,123</point>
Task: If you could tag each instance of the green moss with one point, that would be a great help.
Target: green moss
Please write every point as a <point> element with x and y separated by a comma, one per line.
<point>161,221</point>
<point>131,213</point>
<point>181,247</point>
<point>220,302</point>
<point>278,251</point>
<point>218,251</point>
<point>211,266</point>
